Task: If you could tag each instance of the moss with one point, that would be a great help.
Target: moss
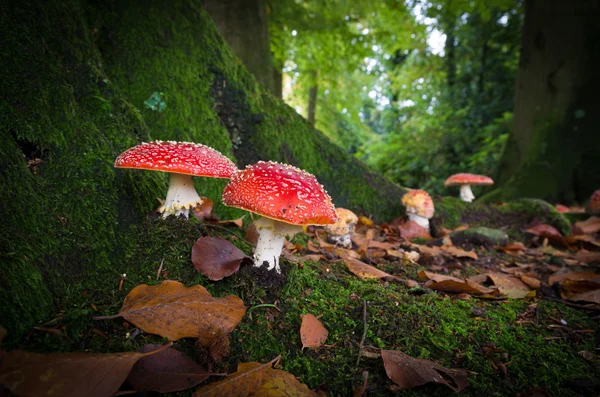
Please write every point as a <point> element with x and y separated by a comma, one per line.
<point>212,99</point>
<point>451,212</point>
<point>481,236</point>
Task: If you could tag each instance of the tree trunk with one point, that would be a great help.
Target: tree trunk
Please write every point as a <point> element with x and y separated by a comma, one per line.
<point>312,99</point>
<point>243,24</point>
<point>554,146</point>
<point>76,87</point>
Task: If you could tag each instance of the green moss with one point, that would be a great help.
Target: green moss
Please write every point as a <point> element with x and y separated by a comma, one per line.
<point>480,236</point>
<point>452,212</point>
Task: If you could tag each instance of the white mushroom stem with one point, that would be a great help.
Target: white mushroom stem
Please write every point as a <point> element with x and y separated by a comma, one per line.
<point>419,220</point>
<point>181,196</point>
<point>342,240</point>
<point>466,194</point>
<point>270,241</point>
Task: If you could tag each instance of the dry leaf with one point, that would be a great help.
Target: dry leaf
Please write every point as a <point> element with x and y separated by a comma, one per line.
<point>561,277</point>
<point>216,258</point>
<point>514,248</point>
<point>459,253</point>
<point>204,210</point>
<point>510,286</point>
<point>279,383</point>
<point>532,282</point>
<point>239,222</point>
<point>590,225</point>
<point>174,311</point>
<point>67,374</point>
<point>166,371</point>
<point>455,285</point>
<point>364,271</point>
<point>248,378</point>
<point>544,230</point>
<point>408,372</point>
<point>587,257</point>
<point>312,332</point>
<point>410,230</point>
<point>383,245</point>
<point>589,296</point>
<point>363,220</point>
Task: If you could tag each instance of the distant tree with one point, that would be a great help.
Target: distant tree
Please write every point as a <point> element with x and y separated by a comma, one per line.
<point>553,150</point>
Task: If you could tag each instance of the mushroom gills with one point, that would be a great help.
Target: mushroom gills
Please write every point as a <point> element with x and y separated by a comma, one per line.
<point>181,196</point>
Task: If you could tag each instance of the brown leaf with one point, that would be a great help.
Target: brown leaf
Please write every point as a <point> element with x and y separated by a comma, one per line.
<point>312,332</point>
<point>363,220</point>
<point>459,253</point>
<point>364,271</point>
<point>429,251</point>
<point>216,258</point>
<point>248,378</point>
<point>408,372</point>
<point>167,371</point>
<point>455,285</point>
<point>279,383</point>
<point>532,282</point>
<point>410,230</point>
<point>510,286</point>
<point>66,374</point>
<point>239,222</point>
<point>514,248</point>
<point>383,245</point>
<point>590,225</point>
<point>174,311</point>
<point>204,210</point>
<point>587,257</point>
<point>561,277</point>
<point>544,230</point>
<point>589,296</point>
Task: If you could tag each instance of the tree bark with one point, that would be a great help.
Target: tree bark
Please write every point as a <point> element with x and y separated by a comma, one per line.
<point>243,24</point>
<point>554,146</point>
<point>312,99</point>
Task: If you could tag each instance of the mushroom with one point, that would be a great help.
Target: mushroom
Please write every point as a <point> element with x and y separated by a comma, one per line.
<point>593,206</point>
<point>181,160</point>
<point>286,197</point>
<point>465,181</point>
<point>339,232</point>
<point>419,207</point>
<point>561,208</point>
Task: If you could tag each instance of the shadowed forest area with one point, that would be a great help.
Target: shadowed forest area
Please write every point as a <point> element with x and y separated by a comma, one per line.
<point>299,198</point>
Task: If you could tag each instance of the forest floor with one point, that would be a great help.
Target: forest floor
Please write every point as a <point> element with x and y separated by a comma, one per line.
<point>485,315</point>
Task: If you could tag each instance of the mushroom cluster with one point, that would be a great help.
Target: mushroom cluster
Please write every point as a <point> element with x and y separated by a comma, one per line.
<point>181,160</point>
<point>286,197</point>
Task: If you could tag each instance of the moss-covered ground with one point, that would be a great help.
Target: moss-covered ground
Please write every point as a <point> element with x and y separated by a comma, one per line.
<point>528,338</point>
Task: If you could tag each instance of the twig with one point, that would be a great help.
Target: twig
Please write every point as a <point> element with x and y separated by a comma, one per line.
<point>229,231</point>
<point>364,335</point>
<point>160,268</point>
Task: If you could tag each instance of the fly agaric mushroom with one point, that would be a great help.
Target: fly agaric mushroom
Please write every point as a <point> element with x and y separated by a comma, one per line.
<point>593,206</point>
<point>465,181</point>
<point>181,160</point>
<point>339,232</point>
<point>419,207</point>
<point>286,197</point>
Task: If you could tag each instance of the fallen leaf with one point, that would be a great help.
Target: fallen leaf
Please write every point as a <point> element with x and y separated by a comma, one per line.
<point>364,271</point>
<point>514,248</point>
<point>429,251</point>
<point>366,221</point>
<point>239,222</point>
<point>532,282</point>
<point>460,253</point>
<point>561,277</point>
<point>312,332</point>
<point>589,296</point>
<point>67,374</point>
<point>510,286</point>
<point>166,371</point>
<point>544,230</point>
<point>204,210</point>
<point>587,257</point>
<point>408,372</point>
<point>279,383</point>
<point>383,245</point>
<point>455,285</point>
<point>411,229</point>
<point>590,225</point>
<point>248,378</point>
<point>216,258</point>
<point>174,311</point>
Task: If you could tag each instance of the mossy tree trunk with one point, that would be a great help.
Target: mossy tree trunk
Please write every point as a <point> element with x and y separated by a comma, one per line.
<point>79,81</point>
<point>554,147</point>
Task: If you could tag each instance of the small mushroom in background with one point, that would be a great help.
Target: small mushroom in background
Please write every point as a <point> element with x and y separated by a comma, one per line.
<point>593,206</point>
<point>419,207</point>
<point>561,208</point>
<point>339,233</point>
<point>465,181</point>
<point>286,197</point>
<point>181,160</point>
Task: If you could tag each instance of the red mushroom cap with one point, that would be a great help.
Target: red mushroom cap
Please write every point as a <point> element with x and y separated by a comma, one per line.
<point>593,206</point>
<point>177,157</point>
<point>420,201</point>
<point>281,192</point>
<point>468,179</point>
<point>561,208</point>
